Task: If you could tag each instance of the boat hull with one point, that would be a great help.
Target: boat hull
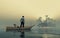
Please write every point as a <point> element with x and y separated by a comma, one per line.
<point>8,28</point>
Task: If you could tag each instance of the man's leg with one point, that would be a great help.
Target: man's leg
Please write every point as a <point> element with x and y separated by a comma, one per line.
<point>23,24</point>
<point>20,26</point>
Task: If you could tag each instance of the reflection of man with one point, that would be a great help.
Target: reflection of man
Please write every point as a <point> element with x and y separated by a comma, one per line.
<point>22,21</point>
<point>22,34</point>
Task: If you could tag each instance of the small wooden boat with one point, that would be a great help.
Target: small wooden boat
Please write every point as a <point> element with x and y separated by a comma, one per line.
<point>9,28</point>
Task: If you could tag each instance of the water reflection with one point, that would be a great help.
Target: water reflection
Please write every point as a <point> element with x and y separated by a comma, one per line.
<point>25,34</point>
<point>41,33</point>
<point>22,35</point>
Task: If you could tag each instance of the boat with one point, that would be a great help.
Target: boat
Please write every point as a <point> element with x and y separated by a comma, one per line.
<point>11,28</point>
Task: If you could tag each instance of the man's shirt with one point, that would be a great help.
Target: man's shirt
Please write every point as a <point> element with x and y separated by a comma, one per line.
<point>22,19</point>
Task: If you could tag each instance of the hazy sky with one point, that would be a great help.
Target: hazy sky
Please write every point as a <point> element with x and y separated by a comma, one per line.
<point>13,9</point>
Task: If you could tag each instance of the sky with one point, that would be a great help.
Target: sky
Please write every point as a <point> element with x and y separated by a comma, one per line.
<point>12,10</point>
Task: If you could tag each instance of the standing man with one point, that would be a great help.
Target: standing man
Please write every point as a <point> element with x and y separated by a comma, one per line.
<point>22,21</point>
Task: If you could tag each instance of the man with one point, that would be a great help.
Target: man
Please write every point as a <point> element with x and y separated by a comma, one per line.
<point>22,21</point>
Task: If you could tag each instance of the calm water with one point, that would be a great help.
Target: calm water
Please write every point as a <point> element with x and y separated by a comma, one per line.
<point>37,33</point>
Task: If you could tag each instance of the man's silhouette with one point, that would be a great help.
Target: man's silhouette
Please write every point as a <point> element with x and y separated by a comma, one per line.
<point>22,21</point>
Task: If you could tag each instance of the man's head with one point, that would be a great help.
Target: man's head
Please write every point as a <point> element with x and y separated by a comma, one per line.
<point>22,16</point>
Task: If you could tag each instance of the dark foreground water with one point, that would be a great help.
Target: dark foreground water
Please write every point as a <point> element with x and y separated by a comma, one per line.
<point>41,33</point>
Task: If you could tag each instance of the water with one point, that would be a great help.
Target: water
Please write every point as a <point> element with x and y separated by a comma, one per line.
<point>34,33</point>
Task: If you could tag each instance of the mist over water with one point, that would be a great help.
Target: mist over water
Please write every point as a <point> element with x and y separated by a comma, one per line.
<point>12,10</point>
<point>36,31</point>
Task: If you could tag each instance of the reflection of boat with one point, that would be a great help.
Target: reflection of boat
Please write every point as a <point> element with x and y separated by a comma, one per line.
<point>18,28</point>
